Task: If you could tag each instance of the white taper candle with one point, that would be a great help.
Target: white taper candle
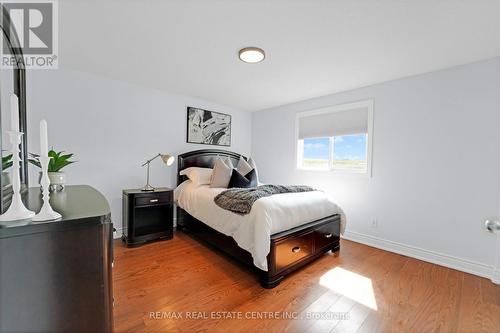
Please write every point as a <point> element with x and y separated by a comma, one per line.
<point>44,146</point>
<point>14,113</point>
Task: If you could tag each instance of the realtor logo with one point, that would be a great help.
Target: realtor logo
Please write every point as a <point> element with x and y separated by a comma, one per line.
<point>35,23</point>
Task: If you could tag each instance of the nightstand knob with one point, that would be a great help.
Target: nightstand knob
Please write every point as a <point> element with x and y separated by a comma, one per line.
<point>153,200</point>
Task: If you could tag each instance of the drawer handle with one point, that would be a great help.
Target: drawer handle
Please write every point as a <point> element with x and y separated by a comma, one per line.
<point>296,249</point>
<point>153,200</point>
<point>328,235</point>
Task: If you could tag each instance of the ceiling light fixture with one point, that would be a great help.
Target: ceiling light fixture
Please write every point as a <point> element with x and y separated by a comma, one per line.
<point>252,55</point>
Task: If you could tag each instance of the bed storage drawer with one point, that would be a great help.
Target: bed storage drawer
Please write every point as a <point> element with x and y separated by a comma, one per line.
<point>292,249</point>
<point>327,235</point>
<point>301,244</point>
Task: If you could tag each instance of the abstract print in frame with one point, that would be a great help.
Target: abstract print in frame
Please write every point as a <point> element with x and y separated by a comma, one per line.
<point>208,127</point>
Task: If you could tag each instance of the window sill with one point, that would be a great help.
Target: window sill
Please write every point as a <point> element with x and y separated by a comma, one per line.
<point>336,171</point>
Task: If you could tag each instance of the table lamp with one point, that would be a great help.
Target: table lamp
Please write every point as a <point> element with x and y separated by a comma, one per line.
<point>166,158</point>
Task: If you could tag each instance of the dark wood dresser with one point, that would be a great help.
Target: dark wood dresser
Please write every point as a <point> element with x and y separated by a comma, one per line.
<point>56,276</point>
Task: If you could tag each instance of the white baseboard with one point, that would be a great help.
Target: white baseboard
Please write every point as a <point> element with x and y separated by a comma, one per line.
<point>426,255</point>
<point>118,233</point>
<point>495,277</point>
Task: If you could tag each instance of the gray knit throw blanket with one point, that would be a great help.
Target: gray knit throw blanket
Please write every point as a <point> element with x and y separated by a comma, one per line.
<point>240,200</point>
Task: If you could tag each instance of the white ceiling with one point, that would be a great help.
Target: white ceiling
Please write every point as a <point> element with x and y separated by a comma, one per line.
<point>313,48</point>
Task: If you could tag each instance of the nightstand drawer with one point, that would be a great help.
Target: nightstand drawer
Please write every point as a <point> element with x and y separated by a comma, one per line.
<point>153,199</point>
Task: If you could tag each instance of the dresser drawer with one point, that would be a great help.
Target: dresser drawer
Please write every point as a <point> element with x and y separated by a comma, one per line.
<point>289,251</point>
<point>153,199</point>
<point>327,235</point>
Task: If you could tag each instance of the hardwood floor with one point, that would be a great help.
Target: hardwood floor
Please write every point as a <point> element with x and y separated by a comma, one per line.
<point>363,289</point>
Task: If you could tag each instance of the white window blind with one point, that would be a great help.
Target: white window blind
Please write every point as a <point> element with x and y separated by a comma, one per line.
<point>331,122</point>
<point>336,138</point>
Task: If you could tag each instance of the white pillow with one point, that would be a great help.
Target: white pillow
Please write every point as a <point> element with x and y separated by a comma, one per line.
<point>243,167</point>
<point>223,169</point>
<point>199,176</point>
<point>252,164</point>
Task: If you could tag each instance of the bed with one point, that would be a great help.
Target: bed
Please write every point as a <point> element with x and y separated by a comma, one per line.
<point>285,243</point>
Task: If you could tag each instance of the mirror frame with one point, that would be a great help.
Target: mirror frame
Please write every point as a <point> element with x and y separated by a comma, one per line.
<point>19,77</point>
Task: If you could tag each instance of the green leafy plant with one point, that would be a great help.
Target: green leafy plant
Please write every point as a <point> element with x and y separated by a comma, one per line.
<point>56,163</point>
<point>6,162</point>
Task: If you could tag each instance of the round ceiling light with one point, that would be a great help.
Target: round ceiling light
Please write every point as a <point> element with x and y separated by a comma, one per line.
<point>252,55</point>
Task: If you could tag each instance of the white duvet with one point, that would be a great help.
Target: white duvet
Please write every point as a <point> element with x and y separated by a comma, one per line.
<point>268,216</point>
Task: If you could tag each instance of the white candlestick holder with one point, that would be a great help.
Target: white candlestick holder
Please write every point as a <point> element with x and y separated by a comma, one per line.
<point>17,210</point>
<point>46,213</point>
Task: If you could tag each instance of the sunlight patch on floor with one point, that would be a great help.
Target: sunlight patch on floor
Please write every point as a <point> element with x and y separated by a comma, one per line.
<point>352,285</point>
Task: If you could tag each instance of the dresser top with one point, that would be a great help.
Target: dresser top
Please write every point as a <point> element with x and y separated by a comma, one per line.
<point>78,205</point>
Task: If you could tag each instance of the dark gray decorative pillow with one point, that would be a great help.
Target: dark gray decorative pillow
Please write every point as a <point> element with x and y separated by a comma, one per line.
<point>240,181</point>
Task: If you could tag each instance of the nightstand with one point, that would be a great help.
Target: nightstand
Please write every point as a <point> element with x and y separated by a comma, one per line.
<point>147,216</point>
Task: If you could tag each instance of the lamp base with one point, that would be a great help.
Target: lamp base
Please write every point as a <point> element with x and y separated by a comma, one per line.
<point>148,188</point>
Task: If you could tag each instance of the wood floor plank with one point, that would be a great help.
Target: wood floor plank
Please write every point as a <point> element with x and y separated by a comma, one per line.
<point>449,309</point>
<point>343,305</point>
<point>183,276</point>
<point>490,306</point>
<point>372,324</point>
<point>470,317</point>
<point>425,318</point>
<point>357,316</point>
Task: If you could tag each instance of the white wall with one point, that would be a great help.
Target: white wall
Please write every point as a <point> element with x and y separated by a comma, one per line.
<point>113,127</point>
<point>436,161</point>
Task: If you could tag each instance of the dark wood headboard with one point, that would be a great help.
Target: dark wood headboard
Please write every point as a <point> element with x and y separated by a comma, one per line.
<point>204,158</point>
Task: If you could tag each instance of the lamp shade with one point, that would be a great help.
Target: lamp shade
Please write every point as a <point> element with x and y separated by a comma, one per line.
<point>167,159</point>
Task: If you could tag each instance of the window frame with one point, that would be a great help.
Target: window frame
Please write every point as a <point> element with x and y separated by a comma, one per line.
<point>332,109</point>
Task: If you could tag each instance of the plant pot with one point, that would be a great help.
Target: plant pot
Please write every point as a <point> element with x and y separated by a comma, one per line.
<point>57,180</point>
<point>5,178</point>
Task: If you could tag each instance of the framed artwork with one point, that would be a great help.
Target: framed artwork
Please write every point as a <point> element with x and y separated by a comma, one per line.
<point>208,127</point>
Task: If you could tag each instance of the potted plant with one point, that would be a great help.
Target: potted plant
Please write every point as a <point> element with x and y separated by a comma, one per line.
<point>6,163</point>
<point>57,161</point>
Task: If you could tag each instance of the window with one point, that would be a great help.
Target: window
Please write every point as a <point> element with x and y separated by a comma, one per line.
<point>337,138</point>
<point>316,153</point>
<point>349,152</point>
